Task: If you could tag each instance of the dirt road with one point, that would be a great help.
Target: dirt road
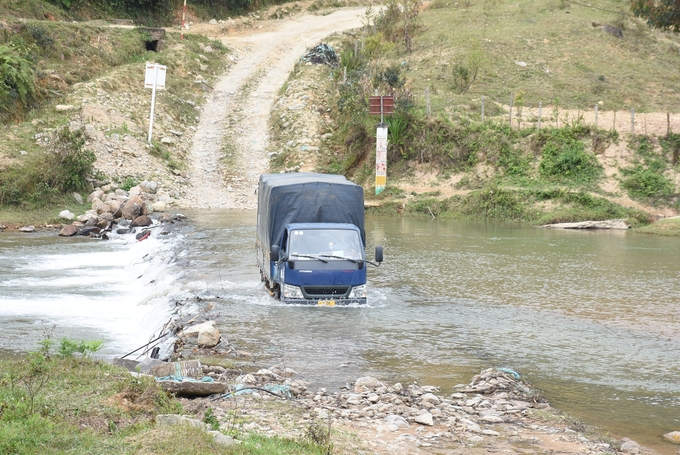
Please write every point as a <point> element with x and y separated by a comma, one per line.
<point>229,147</point>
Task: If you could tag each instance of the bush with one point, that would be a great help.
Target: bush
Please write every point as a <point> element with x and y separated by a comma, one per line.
<point>17,82</point>
<point>647,185</point>
<point>564,158</point>
<point>59,171</point>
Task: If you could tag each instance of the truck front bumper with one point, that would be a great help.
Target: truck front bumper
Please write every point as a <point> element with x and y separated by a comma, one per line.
<point>324,302</point>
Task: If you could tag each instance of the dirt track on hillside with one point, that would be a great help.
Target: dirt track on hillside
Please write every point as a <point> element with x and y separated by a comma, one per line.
<point>234,121</point>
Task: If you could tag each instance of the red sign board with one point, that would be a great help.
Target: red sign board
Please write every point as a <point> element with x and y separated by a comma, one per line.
<point>387,103</point>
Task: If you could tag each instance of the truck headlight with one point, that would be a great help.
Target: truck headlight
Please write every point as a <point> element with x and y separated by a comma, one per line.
<point>292,292</point>
<point>358,292</point>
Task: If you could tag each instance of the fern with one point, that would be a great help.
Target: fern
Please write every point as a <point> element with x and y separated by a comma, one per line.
<point>16,78</point>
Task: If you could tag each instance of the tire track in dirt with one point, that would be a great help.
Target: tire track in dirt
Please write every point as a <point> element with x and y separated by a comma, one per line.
<point>236,114</point>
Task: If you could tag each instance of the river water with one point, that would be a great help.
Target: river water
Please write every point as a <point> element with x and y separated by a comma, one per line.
<point>590,318</point>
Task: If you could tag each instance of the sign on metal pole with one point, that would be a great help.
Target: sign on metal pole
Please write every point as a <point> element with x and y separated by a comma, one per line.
<point>381,105</point>
<point>381,158</point>
<point>154,78</point>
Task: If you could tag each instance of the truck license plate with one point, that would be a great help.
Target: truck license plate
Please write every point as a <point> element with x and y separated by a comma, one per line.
<point>326,302</point>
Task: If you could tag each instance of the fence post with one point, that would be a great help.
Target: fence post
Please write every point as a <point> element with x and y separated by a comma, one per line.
<point>632,121</point>
<point>540,109</point>
<point>427,100</point>
<point>482,108</point>
<point>596,116</point>
<point>512,96</point>
<point>668,124</point>
<point>614,123</point>
<point>344,74</point>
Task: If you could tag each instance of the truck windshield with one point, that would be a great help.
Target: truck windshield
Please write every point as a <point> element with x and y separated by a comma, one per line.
<point>342,243</point>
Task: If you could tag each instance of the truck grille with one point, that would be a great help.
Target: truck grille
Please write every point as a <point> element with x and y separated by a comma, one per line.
<point>325,291</point>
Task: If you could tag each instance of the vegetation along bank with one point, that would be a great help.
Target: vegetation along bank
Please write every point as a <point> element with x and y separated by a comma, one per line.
<point>442,62</point>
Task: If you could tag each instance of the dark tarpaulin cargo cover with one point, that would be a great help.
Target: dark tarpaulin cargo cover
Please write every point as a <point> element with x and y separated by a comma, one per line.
<point>306,198</point>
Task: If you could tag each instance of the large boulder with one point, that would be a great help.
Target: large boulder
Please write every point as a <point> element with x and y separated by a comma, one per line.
<point>366,384</point>
<point>133,208</point>
<point>208,338</point>
<point>96,194</point>
<point>673,436</point>
<point>206,334</point>
<point>67,215</point>
<point>113,206</point>
<point>69,230</point>
<point>142,220</point>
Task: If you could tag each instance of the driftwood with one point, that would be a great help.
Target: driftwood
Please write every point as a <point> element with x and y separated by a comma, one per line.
<point>607,224</point>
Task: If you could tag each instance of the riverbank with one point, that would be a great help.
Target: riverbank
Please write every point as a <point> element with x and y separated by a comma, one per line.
<point>83,404</point>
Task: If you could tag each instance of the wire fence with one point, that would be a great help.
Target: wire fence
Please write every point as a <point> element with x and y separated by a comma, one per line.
<point>550,115</point>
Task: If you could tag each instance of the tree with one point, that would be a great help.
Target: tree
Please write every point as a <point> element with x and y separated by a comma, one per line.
<point>663,14</point>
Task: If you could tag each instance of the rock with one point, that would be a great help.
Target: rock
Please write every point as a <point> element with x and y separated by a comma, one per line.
<point>167,140</point>
<point>133,208</point>
<point>90,230</point>
<point>27,229</point>
<point>612,30</point>
<point>96,194</point>
<point>114,207</point>
<point>673,436</point>
<point>193,389</point>
<point>148,363</point>
<point>399,421</point>
<point>195,329</point>
<point>222,438</point>
<point>159,206</point>
<point>213,22</point>
<point>522,64</point>
<point>171,420</point>
<point>209,337</point>
<point>128,364</point>
<point>64,107</point>
<point>208,49</point>
<point>430,398</point>
<point>630,447</point>
<point>424,419</point>
<point>367,383</point>
<point>142,220</point>
<point>69,230</point>
<point>66,215</point>
<point>78,198</point>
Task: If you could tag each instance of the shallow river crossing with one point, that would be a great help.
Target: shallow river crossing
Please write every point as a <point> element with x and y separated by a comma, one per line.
<point>591,318</point>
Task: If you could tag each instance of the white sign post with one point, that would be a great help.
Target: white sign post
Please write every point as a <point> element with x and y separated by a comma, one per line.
<point>381,158</point>
<point>155,80</point>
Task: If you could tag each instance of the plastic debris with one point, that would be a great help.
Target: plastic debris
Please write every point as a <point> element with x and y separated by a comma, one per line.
<point>322,54</point>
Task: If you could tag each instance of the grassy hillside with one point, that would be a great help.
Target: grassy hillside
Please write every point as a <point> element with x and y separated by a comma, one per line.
<point>448,162</point>
<point>569,56</point>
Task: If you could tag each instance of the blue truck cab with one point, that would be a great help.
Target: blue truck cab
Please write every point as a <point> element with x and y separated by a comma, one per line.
<point>311,239</point>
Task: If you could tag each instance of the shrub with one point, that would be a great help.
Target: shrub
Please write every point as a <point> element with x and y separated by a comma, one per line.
<point>17,82</point>
<point>564,158</point>
<point>645,184</point>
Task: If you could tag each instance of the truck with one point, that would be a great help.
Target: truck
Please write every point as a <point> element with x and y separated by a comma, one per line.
<point>311,239</point>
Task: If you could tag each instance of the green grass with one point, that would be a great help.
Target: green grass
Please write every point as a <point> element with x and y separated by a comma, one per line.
<point>667,227</point>
<point>567,58</point>
<point>65,405</point>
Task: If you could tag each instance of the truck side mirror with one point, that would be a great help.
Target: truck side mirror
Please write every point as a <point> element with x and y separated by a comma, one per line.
<point>274,253</point>
<point>378,254</point>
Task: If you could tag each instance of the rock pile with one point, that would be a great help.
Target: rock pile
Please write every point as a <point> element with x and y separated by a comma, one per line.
<point>496,409</point>
<point>115,208</point>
